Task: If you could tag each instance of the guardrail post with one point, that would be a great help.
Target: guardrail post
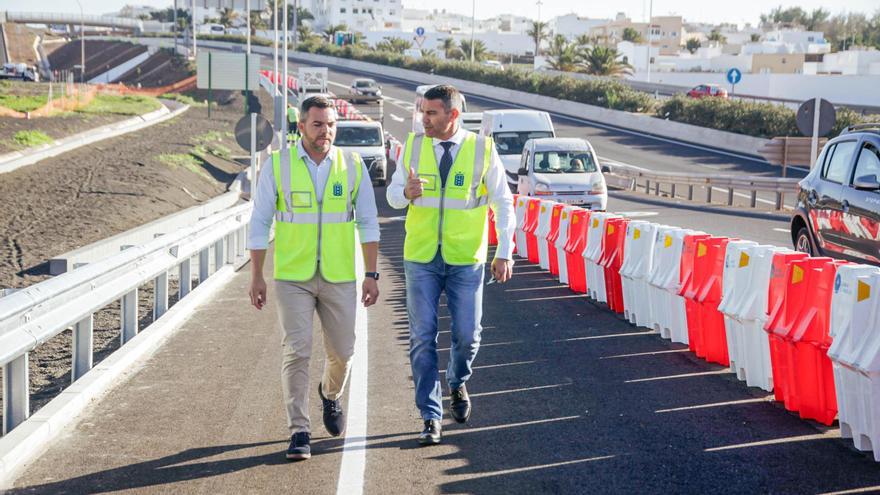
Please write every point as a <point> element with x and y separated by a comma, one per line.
<point>779,201</point>
<point>230,248</point>
<point>709,193</point>
<point>160,295</point>
<point>729,196</point>
<point>754,199</point>
<point>185,279</point>
<point>218,254</point>
<point>16,396</point>
<point>690,192</point>
<point>83,346</point>
<point>203,265</point>
<point>241,235</point>
<point>656,189</point>
<point>647,186</point>
<point>129,316</point>
<point>672,193</point>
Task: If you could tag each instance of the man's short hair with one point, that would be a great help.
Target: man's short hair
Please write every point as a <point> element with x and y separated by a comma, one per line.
<point>450,96</point>
<point>318,101</point>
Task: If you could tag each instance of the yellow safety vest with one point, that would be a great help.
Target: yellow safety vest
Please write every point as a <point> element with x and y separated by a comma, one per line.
<point>303,226</point>
<point>455,216</point>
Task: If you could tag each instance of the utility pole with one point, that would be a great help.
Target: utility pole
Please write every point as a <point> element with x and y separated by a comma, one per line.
<point>175,26</point>
<point>284,80</point>
<point>247,9</point>
<point>295,23</point>
<point>650,34</point>
<point>82,44</point>
<point>193,28</point>
<point>473,23</point>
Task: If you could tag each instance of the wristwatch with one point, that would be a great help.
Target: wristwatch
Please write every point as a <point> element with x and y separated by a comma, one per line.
<point>372,275</point>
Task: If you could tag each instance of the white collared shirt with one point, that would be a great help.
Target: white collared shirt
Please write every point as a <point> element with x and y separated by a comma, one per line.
<point>365,213</point>
<point>500,197</point>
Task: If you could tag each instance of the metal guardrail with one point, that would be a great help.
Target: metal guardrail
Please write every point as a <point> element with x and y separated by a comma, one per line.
<point>32,316</point>
<point>648,180</point>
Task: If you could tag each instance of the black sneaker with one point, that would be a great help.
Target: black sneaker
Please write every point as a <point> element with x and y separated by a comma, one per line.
<point>299,448</point>
<point>432,432</point>
<point>334,416</point>
<point>460,404</point>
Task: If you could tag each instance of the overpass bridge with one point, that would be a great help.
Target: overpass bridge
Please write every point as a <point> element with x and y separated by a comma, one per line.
<point>49,18</point>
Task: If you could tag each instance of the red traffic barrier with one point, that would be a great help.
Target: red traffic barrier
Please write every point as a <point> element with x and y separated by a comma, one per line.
<point>530,226</point>
<point>574,247</point>
<point>612,258</point>
<point>688,290</point>
<point>800,340</point>
<point>493,236</point>
<point>553,236</point>
<point>709,270</point>
<point>776,310</point>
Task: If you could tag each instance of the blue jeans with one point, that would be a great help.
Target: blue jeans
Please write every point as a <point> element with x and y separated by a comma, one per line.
<point>464,296</point>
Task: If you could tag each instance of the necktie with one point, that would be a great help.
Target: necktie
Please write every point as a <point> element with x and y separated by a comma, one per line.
<point>445,161</point>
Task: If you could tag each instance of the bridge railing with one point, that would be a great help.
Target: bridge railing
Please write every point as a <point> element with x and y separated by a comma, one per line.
<point>32,316</point>
<point>650,181</point>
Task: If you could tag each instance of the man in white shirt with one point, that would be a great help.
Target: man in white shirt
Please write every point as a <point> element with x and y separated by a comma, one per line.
<point>318,195</point>
<point>446,179</point>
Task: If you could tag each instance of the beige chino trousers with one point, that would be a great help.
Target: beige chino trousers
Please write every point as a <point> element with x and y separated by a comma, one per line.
<point>336,305</point>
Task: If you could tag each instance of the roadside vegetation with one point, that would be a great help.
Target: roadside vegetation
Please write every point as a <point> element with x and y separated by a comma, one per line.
<point>204,146</point>
<point>27,139</point>
<point>186,100</point>
<point>22,103</point>
<point>121,105</point>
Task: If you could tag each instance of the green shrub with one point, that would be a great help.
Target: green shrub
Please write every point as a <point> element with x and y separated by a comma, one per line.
<point>121,105</point>
<point>28,139</point>
<point>22,103</point>
<point>186,100</point>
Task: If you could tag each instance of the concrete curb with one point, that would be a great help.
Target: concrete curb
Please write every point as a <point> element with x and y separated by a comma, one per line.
<point>18,159</point>
<point>27,441</point>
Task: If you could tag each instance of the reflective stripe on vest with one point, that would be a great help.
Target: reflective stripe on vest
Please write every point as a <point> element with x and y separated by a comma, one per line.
<point>303,223</point>
<point>453,216</point>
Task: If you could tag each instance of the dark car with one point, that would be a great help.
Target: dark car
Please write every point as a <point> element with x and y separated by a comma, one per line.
<point>838,205</point>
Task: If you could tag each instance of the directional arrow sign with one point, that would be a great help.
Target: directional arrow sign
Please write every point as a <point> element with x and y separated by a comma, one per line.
<point>734,76</point>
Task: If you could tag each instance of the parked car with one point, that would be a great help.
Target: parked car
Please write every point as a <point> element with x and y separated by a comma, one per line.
<point>511,129</point>
<point>564,170</point>
<point>365,87</point>
<point>707,90</point>
<point>367,139</point>
<point>493,64</point>
<point>838,203</point>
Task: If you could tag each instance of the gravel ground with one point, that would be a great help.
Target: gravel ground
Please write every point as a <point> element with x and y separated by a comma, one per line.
<point>98,191</point>
<point>57,127</point>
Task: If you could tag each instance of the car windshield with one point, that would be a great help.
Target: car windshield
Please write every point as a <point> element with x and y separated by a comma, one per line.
<point>512,143</point>
<point>364,84</point>
<point>564,162</point>
<point>358,136</point>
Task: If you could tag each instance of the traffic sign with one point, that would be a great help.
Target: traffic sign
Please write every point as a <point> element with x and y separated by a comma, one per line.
<point>420,31</point>
<point>419,40</point>
<point>806,116</point>
<point>243,132</point>
<point>734,76</point>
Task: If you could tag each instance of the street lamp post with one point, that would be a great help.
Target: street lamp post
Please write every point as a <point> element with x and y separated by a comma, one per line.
<point>193,28</point>
<point>247,12</point>
<point>473,22</point>
<point>82,44</point>
<point>284,79</point>
<point>650,34</point>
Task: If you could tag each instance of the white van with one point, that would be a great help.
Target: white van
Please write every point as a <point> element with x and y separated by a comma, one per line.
<point>511,129</point>
<point>565,170</point>
<point>366,138</point>
<point>417,109</point>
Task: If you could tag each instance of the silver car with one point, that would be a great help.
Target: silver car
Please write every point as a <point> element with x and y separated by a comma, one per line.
<point>565,170</point>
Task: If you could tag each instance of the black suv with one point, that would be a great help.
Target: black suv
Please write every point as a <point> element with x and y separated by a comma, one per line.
<point>838,206</point>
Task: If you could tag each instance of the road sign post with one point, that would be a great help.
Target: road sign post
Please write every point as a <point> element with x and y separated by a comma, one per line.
<point>815,118</point>
<point>733,77</point>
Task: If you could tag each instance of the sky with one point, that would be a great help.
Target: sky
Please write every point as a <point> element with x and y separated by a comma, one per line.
<point>738,11</point>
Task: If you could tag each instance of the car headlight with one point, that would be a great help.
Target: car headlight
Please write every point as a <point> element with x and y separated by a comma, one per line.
<point>542,189</point>
<point>598,187</point>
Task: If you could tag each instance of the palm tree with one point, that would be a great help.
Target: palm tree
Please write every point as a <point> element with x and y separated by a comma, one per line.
<point>479,49</point>
<point>692,45</point>
<point>428,53</point>
<point>451,50</point>
<point>603,61</point>
<point>630,34</point>
<point>563,56</point>
<point>304,33</point>
<point>538,32</point>
<point>331,30</point>
<point>227,16</point>
<point>585,40</point>
<point>257,22</point>
<point>717,37</point>
<point>392,44</point>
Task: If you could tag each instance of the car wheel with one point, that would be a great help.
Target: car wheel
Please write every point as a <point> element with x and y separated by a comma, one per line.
<point>802,242</point>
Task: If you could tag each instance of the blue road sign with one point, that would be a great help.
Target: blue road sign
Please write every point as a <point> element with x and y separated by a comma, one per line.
<point>734,76</point>
<point>420,31</point>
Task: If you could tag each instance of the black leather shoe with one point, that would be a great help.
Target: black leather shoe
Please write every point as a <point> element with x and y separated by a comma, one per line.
<point>432,432</point>
<point>299,448</point>
<point>460,404</point>
<point>334,416</point>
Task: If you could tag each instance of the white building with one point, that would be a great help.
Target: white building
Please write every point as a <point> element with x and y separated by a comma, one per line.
<point>358,15</point>
<point>850,62</point>
<point>572,25</point>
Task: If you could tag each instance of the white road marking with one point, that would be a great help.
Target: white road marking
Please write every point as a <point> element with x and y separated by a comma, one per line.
<point>395,117</point>
<point>784,231</point>
<point>637,214</point>
<point>354,452</point>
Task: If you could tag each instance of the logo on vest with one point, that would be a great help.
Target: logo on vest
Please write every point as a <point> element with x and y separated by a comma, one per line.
<point>459,179</point>
<point>337,189</point>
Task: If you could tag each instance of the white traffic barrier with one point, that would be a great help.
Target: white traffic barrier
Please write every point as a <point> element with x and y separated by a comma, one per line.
<point>543,230</point>
<point>564,222</point>
<point>630,257</point>
<point>733,286</point>
<point>594,272</point>
<point>520,209</point>
<point>749,309</point>
<point>637,263</point>
<point>669,317</point>
<point>854,353</point>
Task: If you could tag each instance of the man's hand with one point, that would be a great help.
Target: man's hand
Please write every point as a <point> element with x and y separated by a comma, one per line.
<point>413,187</point>
<point>258,292</point>
<point>502,269</point>
<point>370,290</point>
